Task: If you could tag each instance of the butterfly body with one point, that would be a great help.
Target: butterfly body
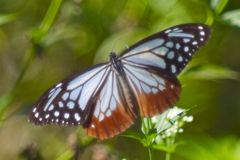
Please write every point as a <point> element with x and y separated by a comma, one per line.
<point>105,98</point>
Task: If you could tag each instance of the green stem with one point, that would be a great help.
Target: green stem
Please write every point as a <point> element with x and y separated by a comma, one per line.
<point>150,152</point>
<point>168,155</point>
<point>169,145</point>
<point>50,16</point>
<point>221,6</point>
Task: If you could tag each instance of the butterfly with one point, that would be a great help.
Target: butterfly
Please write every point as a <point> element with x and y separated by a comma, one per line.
<point>106,98</point>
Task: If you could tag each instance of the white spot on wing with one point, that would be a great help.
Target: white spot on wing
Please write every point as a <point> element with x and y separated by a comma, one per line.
<point>36,115</point>
<point>194,43</point>
<point>171,55</point>
<point>101,117</point>
<point>167,31</point>
<point>77,117</point>
<point>160,51</point>
<point>113,104</point>
<point>97,108</point>
<point>169,44</point>
<point>70,105</point>
<point>202,33</point>
<point>173,67</point>
<point>154,90</point>
<point>186,40</point>
<point>47,116</point>
<point>65,96</point>
<point>60,104</point>
<point>161,87</point>
<point>160,80</point>
<point>51,107</point>
<point>56,113</point>
<point>186,49</point>
<point>180,59</point>
<point>172,34</point>
<point>66,115</point>
<point>58,85</point>
<point>75,93</point>
<point>109,113</point>
<point>177,46</point>
<point>178,30</point>
<point>145,88</point>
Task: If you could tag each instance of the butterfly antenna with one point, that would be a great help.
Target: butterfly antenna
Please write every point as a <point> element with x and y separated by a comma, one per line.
<point>115,43</point>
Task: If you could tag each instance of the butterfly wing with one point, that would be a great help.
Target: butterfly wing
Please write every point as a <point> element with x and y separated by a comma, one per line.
<point>169,51</point>
<point>154,92</point>
<point>152,65</point>
<point>67,102</point>
<point>114,111</point>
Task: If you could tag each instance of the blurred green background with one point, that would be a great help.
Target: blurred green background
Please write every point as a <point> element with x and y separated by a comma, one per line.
<point>39,46</point>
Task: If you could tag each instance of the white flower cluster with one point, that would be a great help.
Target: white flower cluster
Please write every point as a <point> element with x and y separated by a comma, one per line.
<point>175,120</point>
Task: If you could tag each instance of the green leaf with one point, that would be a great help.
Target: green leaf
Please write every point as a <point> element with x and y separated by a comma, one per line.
<point>133,134</point>
<point>233,17</point>
<point>5,101</point>
<point>67,155</point>
<point>212,72</point>
<point>146,125</point>
<point>6,18</point>
<point>214,3</point>
<point>160,120</point>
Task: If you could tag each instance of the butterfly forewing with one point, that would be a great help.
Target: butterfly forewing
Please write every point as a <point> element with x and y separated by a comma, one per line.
<point>67,102</point>
<point>169,51</point>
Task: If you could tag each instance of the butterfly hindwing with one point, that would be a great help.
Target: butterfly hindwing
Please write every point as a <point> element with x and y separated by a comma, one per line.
<point>112,113</point>
<point>154,92</point>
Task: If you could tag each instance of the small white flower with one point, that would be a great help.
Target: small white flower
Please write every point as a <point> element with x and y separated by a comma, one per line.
<point>175,130</point>
<point>180,130</point>
<point>154,119</point>
<point>168,134</point>
<point>187,118</point>
<point>190,118</point>
<point>174,112</point>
